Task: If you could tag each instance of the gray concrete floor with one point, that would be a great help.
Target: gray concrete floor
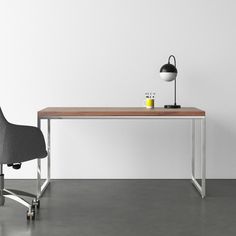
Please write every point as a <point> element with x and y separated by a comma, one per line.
<point>124,207</point>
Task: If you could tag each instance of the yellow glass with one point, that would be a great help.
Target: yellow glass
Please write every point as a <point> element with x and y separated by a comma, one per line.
<point>149,103</point>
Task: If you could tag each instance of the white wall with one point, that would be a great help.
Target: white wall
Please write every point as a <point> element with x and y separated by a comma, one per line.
<point>108,53</point>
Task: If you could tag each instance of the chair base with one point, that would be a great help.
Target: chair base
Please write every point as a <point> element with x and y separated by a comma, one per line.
<point>13,194</point>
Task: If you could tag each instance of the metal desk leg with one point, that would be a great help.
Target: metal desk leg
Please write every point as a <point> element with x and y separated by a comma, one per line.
<point>203,156</point>
<point>38,168</point>
<point>193,147</point>
<point>41,189</point>
<point>201,188</point>
<point>49,150</point>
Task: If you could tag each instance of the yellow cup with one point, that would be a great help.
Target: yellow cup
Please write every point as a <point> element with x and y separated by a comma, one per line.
<point>149,103</point>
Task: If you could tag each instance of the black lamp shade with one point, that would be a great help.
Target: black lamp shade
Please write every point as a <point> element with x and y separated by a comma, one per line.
<point>168,72</point>
<point>168,68</point>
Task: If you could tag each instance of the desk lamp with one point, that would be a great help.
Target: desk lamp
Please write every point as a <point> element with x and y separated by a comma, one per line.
<point>168,72</point>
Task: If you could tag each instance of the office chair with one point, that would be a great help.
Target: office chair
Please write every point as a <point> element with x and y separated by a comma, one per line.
<point>18,144</point>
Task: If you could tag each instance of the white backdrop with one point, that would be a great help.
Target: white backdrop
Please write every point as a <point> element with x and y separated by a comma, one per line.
<point>108,53</point>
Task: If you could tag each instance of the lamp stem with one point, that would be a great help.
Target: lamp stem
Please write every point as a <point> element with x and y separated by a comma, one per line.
<point>175,92</point>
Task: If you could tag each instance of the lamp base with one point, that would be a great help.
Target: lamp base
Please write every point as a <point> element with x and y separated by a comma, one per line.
<point>172,106</point>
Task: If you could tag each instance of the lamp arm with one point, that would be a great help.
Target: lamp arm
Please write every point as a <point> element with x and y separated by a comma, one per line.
<point>173,59</point>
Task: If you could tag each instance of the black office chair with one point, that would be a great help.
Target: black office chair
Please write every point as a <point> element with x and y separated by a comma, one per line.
<point>18,144</point>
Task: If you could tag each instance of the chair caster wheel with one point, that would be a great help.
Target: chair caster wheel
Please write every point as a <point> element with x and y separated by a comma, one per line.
<point>2,200</point>
<point>35,203</point>
<point>30,215</point>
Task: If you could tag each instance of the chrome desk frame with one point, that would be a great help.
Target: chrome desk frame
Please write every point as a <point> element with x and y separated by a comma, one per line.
<point>201,188</point>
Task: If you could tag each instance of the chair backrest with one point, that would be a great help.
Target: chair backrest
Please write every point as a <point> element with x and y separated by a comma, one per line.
<point>3,120</point>
<point>3,125</point>
<point>19,143</point>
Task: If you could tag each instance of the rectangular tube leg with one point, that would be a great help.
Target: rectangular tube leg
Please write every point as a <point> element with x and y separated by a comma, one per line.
<point>39,168</point>
<point>193,147</point>
<point>203,156</point>
<point>49,151</point>
<point>201,188</point>
<point>41,188</point>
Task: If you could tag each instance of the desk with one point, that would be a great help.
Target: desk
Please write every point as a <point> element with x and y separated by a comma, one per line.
<point>187,113</point>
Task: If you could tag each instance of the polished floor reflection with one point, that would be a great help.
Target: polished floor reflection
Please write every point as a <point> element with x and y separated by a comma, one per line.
<point>124,207</point>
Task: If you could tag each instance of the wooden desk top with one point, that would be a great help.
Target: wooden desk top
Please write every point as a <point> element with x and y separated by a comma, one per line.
<point>51,112</point>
